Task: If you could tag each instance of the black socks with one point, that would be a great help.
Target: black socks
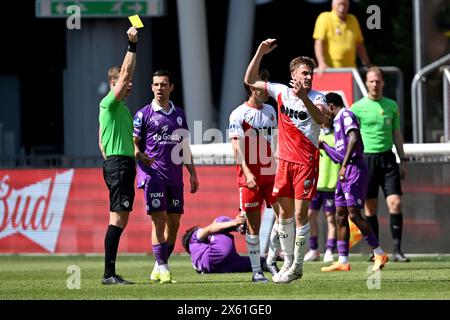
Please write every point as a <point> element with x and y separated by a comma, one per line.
<point>112,239</point>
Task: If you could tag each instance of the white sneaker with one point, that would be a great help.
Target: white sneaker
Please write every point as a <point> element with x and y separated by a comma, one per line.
<point>283,269</point>
<point>328,257</point>
<point>288,276</point>
<point>312,255</point>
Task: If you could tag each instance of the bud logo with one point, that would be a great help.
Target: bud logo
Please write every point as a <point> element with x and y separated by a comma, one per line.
<point>35,211</point>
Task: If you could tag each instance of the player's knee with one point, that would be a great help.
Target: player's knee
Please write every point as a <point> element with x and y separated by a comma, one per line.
<point>340,219</point>
<point>394,204</point>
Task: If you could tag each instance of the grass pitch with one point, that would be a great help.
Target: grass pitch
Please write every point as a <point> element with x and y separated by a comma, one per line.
<point>47,277</point>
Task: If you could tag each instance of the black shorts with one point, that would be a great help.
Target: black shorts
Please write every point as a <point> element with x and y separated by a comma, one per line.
<point>383,172</point>
<point>119,173</point>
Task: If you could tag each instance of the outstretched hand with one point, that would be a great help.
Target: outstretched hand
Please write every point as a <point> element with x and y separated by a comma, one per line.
<point>267,46</point>
<point>132,34</point>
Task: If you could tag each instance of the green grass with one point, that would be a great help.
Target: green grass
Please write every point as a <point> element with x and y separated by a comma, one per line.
<point>45,277</point>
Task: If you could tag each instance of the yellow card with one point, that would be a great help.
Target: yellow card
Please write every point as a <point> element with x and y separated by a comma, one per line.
<point>136,21</point>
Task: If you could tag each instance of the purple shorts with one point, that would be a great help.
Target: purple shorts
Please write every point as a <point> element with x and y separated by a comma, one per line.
<point>323,199</point>
<point>159,197</point>
<point>352,192</point>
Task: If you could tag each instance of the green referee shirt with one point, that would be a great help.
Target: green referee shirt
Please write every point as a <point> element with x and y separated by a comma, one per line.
<point>328,170</point>
<point>116,126</point>
<point>378,120</point>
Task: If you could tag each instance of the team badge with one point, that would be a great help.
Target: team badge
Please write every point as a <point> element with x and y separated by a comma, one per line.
<point>180,121</point>
<point>156,203</point>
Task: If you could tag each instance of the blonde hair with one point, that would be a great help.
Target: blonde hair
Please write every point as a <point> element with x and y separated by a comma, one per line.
<point>376,70</point>
<point>113,73</point>
<point>297,62</point>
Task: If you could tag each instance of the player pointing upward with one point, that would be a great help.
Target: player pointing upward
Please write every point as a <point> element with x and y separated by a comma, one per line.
<point>299,120</point>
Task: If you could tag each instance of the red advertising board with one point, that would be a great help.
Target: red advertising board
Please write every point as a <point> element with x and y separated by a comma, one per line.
<point>339,82</point>
<point>67,210</point>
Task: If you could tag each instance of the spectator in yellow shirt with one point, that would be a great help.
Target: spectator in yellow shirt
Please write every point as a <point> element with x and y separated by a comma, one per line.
<point>338,37</point>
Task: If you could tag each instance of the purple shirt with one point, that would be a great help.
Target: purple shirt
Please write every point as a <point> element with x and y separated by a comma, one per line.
<point>345,121</point>
<point>199,252</point>
<point>161,134</point>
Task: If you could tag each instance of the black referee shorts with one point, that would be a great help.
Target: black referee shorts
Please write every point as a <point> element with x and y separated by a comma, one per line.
<point>119,173</point>
<point>383,172</point>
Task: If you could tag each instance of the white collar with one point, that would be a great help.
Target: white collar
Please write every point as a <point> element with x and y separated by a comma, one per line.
<point>157,107</point>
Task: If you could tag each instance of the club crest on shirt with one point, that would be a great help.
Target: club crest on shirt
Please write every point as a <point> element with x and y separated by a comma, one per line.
<point>180,121</point>
<point>156,203</point>
<point>248,117</point>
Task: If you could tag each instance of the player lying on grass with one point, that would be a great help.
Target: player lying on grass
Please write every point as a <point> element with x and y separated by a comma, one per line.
<point>212,247</point>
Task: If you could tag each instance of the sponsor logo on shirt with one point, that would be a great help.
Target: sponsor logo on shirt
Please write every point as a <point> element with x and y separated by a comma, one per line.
<point>251,204</point>
<point>164,136</point>
<point>293,114</point>
<point>233,127</point>
<point>137,122</point>
<point>156,195</point>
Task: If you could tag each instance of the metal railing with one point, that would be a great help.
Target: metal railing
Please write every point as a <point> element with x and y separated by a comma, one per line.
<point>49,161</point>
<point>446,89</point>
<point>360,88</point>
<point>417,96</point>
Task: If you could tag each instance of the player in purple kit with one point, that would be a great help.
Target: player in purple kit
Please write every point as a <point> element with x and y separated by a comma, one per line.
<point>160,130</point>
<point>212,247</point>
<point>352,183</point>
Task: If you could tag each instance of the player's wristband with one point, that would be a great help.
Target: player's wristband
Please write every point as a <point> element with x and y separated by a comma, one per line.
<point>132,46</point>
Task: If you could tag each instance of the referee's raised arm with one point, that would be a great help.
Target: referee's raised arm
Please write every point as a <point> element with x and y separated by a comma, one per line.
<point>123,84</point>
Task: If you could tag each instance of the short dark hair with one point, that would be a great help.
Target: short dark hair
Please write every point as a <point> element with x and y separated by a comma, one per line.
<point>263,75</point>
<point>187,236</point>
<point>163,73</point>
<point>334,98</point>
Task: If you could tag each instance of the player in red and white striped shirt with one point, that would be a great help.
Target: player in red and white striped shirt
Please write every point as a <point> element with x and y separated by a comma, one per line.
<point>252,126</point>
<point>299,120</point>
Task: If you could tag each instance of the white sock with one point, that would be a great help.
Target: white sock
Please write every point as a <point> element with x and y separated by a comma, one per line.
<point>254,251</point>
<point>274,244</point>
<point>378,251</point>
<point>301,244</point>
<point>286,233</point>
<point>155,267</point>
<point>164,268</point>
<point>343,259</point>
